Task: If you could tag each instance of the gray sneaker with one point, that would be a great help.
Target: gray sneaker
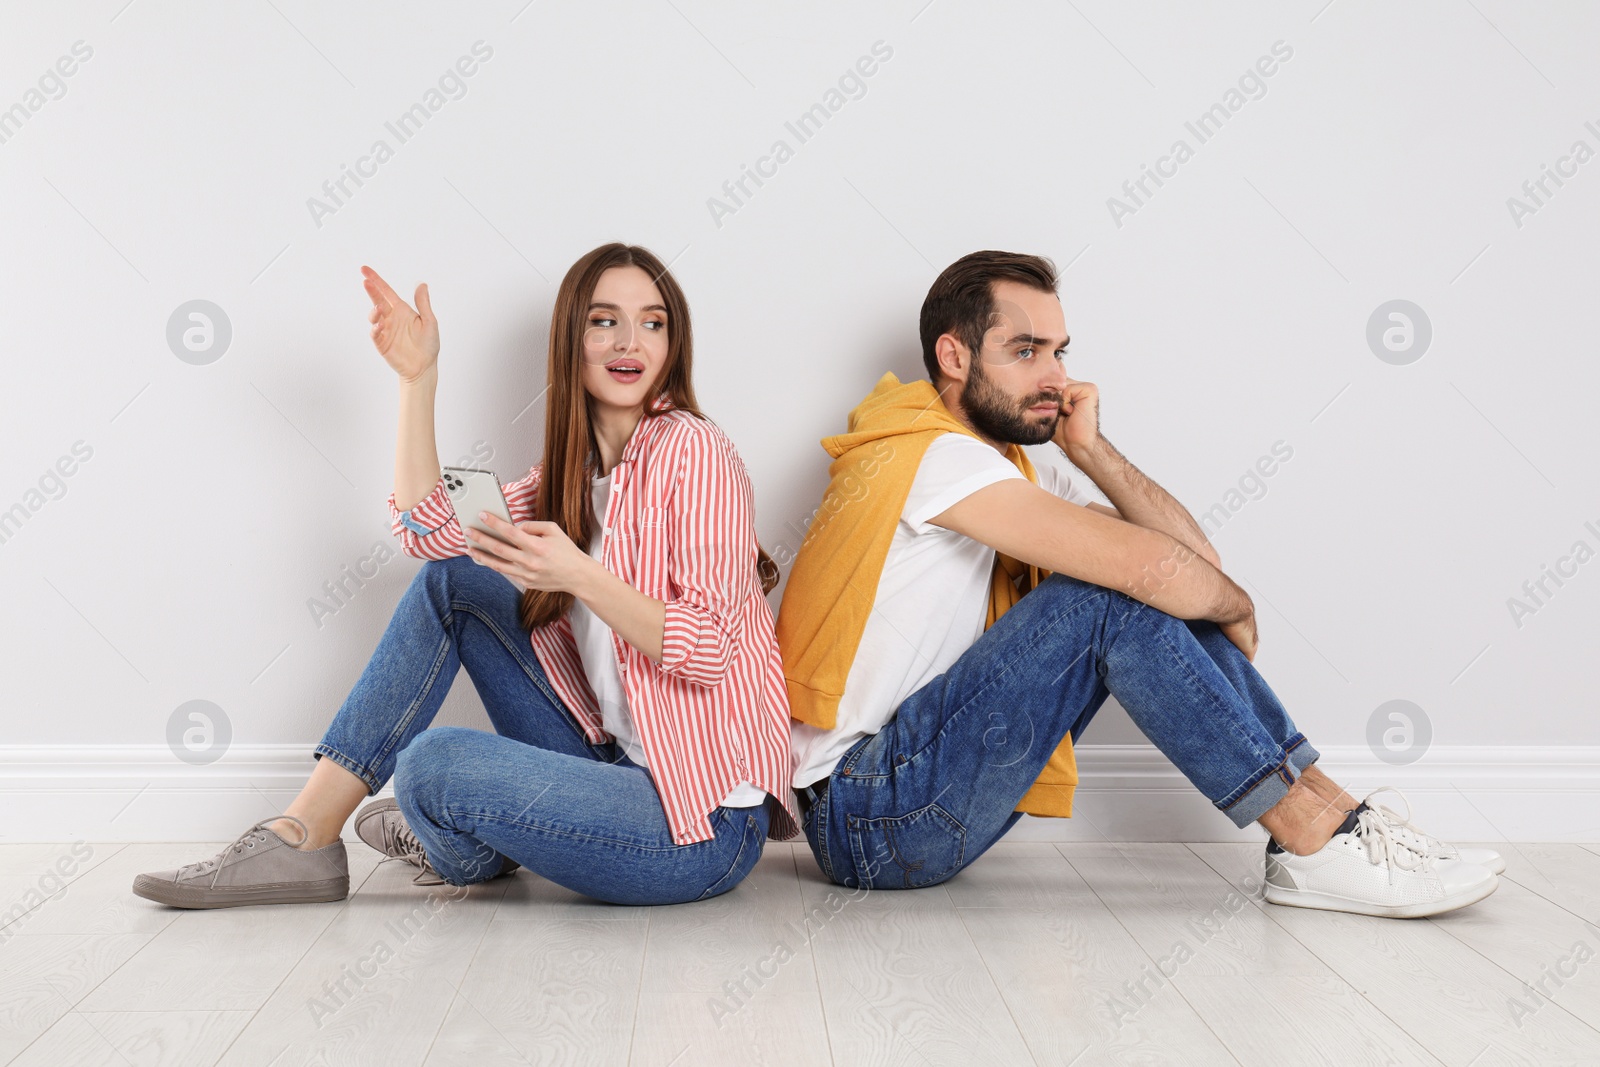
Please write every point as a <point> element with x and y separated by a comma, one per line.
<point>382,825</point>
<point>259,867</point>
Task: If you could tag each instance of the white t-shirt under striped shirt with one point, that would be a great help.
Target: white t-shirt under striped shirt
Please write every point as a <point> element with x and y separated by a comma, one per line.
<point>599,658</point>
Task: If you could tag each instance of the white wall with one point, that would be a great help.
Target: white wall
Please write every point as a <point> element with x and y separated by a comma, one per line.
<point>1228,311</point>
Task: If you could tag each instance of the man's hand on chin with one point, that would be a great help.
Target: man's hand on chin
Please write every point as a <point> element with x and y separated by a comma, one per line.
<point>1078,429</point>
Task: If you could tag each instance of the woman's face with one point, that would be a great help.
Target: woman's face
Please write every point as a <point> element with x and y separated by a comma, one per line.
<point>624,338</point>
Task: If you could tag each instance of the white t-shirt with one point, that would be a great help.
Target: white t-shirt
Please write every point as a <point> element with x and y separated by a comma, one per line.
<point>599,658</point>
<point>932,598</point>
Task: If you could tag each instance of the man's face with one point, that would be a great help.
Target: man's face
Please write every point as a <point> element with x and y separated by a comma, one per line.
<point>1015,383</point>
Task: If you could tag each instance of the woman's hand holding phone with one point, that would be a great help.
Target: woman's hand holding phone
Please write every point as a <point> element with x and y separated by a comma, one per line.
<point>533,554</point>
<point>407,339</point>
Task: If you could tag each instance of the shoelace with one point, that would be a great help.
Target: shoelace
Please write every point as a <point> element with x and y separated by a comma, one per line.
<point>1422,840</point>
<point>400,843</point>
<point>248,839</point>
<point>1377,835</point>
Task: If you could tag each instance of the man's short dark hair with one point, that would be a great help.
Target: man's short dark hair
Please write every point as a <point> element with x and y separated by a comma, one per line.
<point>961,300</point>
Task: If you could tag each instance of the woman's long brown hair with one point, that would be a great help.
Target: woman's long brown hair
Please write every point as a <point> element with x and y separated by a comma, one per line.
<point>564,490</point>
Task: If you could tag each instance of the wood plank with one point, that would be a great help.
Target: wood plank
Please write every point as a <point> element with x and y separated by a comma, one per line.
<point>223,959</point>
<point>1301,1018</point>
<point>733,979</point>
<point>1184,915</point>
<point>43,976</point>
<point>135,1038</point>
<point>1554,954</point>
<point>58,952</point>
<point>1019,874</point>
<point>1015,960</point>
<point>38,876</point>
<point>554,981</point>
<point>375,983</point>
<point>1566,875</point>
<point>1062,963</point>
<point>902,981</point>
<point>1447,997</point>
<point>101,900</point>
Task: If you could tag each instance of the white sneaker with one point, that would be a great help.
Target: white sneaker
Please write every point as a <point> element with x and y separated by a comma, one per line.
<point>1433,846</point>
<point>1366,869</point>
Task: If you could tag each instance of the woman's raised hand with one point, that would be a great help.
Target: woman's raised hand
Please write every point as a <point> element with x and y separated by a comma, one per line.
<point>407,339</point>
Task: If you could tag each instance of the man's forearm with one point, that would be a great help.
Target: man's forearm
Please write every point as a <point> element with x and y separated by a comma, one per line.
<point>1138,499</point>
<point>1183,584</point>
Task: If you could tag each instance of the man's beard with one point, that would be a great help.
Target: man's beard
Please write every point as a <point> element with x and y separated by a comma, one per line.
<point>1000,418</point>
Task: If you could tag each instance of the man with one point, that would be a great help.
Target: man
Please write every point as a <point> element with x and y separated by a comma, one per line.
<point>955,617</point>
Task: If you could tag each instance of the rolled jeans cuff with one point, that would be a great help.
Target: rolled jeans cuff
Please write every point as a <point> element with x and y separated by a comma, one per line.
<point>1272,784</point>
<point>355,767</point>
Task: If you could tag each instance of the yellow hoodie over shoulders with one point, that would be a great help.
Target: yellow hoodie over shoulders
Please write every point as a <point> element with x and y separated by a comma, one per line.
<point>834,579</point>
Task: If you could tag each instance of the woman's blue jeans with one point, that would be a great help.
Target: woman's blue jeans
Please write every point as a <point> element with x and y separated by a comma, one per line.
<point>916,802</point>
<point>582,815</point>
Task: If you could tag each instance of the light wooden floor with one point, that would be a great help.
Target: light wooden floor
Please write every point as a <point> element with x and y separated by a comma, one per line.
<point>1052,954</point>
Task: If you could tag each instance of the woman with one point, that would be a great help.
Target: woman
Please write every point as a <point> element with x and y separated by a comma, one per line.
<point>641,752</point>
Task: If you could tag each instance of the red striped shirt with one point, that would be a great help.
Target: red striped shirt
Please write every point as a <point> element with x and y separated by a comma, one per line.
<point>680,528</point>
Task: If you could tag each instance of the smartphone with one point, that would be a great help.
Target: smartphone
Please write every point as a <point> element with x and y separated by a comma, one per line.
<point>472,491</point>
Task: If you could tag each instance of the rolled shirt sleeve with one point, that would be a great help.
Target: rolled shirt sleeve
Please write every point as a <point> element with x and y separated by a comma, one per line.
<point>412,524</point>
<point>429,529</point>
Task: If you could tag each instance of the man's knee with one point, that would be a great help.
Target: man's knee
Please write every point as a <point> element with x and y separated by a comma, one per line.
<point>1058,585</point>
<point>1060,593</point>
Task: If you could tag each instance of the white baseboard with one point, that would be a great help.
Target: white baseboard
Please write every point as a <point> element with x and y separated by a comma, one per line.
<point>1466,793</point>
<point>114,793</point>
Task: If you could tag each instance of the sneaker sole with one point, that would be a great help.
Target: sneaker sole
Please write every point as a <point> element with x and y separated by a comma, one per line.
<point>180,896</point>
<point>1297,898</point>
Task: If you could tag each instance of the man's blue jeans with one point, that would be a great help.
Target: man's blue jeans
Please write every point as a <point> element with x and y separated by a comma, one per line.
<point>914,803</point>
<point>580,814</point>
